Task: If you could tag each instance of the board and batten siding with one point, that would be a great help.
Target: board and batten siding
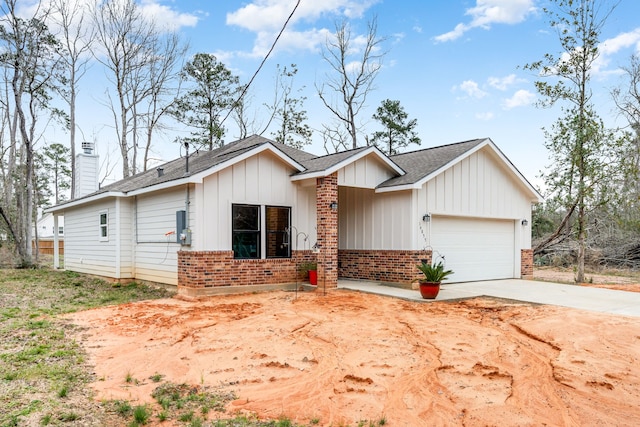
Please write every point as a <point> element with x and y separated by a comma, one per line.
<point>478,186</point>
<point>259,180</point>
<point>367,172</point>
<point>156,234</point>
<point>85,252</point>
<point>374,221</point>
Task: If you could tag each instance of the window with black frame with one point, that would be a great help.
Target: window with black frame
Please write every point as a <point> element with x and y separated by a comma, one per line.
<point>246,231</point>
<point>278,221</point>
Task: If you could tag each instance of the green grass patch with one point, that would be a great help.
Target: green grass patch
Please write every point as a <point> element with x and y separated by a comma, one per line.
<point>180,400</point>
<point>41,367</point>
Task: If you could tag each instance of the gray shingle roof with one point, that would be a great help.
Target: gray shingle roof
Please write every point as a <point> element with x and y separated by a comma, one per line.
<point>199,161</point>
<point>421,163</point>
<point>320,163</point>
<point>416,164</point>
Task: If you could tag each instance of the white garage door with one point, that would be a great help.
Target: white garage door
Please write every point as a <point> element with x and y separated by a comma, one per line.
<point>475,249</point>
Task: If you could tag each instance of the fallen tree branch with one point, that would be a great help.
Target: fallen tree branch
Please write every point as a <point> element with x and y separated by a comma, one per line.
<point>549,240</point>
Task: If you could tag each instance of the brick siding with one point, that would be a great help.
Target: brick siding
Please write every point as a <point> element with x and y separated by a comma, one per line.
<point>526,263</point>
<point>207,269</point>
<point>397,266</point>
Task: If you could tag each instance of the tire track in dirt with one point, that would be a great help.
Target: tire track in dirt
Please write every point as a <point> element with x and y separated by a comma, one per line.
<point>347,357</point>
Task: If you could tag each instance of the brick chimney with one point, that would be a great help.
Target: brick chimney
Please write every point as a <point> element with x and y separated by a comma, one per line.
<point>86,171</point>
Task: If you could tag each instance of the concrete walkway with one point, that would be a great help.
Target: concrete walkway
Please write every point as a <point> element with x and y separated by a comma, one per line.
<point>581,297</point>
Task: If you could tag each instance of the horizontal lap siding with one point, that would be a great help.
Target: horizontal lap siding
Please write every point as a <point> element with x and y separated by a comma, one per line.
<point>156,247</point>
<point>84,252</point>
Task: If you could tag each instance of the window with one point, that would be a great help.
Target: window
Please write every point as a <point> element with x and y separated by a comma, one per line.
<point>278,238</point>
<point>248,234</point>
<point>60,230</point>
<point>104,226</point>
<point>246,231</point>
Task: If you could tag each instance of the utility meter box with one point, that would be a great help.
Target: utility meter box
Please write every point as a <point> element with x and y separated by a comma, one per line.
<point>185,237</point>
<point>183,234</point>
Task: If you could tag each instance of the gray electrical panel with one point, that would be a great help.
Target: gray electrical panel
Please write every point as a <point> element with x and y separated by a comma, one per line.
<point>181,224</point>
<point>183,234</point>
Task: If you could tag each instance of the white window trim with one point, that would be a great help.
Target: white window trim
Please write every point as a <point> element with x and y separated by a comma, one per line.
<point>102,238</point>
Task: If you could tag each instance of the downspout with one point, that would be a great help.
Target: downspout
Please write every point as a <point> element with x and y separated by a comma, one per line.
<point>187,202</point>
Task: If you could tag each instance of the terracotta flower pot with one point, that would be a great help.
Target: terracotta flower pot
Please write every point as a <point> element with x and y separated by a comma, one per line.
<point>429,290</point>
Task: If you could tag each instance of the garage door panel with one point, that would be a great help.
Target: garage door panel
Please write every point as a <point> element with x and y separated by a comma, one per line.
<point>475,249</point>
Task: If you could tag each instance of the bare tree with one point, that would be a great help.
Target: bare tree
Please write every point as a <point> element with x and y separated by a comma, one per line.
<point>76,38</point>
<point>345,90</point>
<point>289,111</point>
<point>162,69</point>
<point>30,62</point>
<point>124,37</point>
<point>627,100</point>
<point>246,123</point>
<point>335,138</point>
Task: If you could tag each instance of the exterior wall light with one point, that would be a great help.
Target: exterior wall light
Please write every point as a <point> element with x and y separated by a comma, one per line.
<point>426,217</point>
<point>524,222</point>
<point>333,206</point>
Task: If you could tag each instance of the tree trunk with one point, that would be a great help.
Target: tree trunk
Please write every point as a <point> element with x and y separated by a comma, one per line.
<point>72,134</point>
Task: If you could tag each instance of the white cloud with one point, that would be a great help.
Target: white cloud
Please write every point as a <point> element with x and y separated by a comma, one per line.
<point>503,83</point>
<point>471,88</point>
<point>269,15</point>
<point>619,42</point>
<point>488,12</point>
<point>457,32</point>
<point>289,41</point>
<point>165,17</point>
<point>611,46</point>
<point>519,99</point>
<point>266,17</point>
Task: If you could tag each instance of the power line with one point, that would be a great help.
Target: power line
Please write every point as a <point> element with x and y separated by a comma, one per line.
<point>244,91</point>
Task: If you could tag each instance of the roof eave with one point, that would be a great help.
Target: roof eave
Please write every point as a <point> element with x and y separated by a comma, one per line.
<point>397,188</point>
<point>84,200</point>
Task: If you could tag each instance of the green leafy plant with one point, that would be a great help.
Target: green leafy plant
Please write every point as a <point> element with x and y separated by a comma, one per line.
<point>434,273</point>
<point>305,267</point>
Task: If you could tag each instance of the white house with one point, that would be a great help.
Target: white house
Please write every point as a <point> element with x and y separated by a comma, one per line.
<point>46,228</point>
<point>249,213</point>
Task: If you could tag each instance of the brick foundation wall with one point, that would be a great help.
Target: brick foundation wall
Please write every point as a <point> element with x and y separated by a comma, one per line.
<point>526,263</point>
<point>208,269</point>
<point>381,265</point>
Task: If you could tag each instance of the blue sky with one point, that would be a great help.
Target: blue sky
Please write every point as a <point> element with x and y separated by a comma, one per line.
<point>455,65</point>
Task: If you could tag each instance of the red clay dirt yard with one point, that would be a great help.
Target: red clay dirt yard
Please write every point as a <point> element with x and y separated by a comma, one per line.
<point>345,357</point>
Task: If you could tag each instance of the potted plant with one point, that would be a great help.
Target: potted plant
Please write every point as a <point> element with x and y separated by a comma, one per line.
<point>434,274</point>
<point>310,268</point>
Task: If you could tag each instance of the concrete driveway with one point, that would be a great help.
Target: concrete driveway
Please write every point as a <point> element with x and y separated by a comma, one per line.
<point>580,297</point>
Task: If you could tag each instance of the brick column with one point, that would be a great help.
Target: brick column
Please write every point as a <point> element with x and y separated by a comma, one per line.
<point>526,263</point>
<point>327,222</point>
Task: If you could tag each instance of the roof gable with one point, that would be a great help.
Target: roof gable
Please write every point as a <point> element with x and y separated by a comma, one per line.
<point>424,165</point>
<point>326,165</point>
